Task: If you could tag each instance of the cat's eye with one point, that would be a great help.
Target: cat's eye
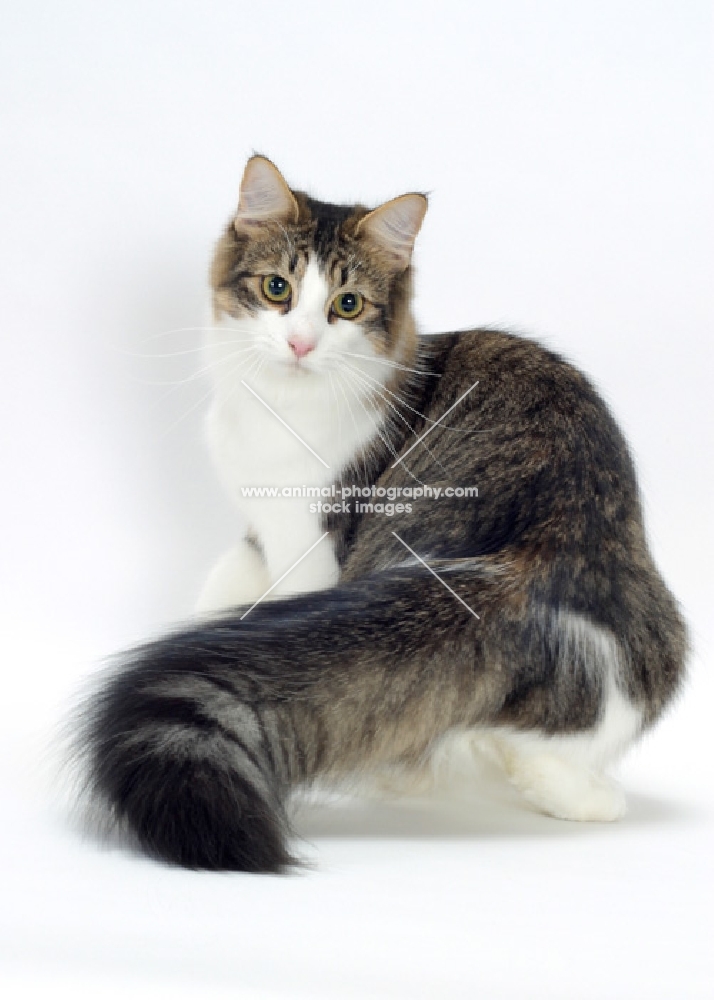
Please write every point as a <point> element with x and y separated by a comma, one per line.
<point>348,305</point>
<point>275,288</point>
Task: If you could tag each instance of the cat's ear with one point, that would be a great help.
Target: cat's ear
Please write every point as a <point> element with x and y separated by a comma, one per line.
<point>264,196</point>
<point>393,227</point>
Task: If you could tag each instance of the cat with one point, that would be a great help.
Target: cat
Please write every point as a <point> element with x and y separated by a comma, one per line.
<point>341,637</point>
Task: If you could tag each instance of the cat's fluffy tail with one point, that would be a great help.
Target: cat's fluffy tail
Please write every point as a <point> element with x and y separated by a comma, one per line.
<point>195,741</point>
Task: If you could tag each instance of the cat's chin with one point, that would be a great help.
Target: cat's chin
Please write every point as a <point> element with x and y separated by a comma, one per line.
<point>292,368</point>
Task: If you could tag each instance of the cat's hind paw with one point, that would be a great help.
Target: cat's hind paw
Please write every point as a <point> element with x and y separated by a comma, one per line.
<point>566,790</point>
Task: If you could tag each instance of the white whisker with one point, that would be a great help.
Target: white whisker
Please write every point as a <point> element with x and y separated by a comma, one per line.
<point>354,421</point>
<point>388,444</point>
<point>403,402</point>
<point>200,402</point>
<point>378,388</point>
<point>375,422</point>
<point>171,354</point>
<point>388,361</point>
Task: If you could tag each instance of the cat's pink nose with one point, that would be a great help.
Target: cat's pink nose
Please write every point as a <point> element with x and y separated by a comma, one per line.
<point>301,345</point>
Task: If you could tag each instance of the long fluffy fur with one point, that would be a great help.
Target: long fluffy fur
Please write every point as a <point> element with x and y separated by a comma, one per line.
<point>196,741</point>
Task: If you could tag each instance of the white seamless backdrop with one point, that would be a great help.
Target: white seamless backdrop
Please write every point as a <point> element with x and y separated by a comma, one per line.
<point>568,153</point>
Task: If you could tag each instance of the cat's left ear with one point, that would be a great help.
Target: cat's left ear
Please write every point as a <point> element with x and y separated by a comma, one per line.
<point>394,226</point>
<point>264,196</point>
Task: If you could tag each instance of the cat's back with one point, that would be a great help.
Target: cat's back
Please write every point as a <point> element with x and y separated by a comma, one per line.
<point>515,371</point>
<point>521,408</point>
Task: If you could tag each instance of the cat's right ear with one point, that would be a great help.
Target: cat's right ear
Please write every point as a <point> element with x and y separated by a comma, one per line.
<point>264,196</point>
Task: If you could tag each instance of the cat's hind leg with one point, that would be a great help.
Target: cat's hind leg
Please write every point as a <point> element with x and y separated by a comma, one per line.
<point>239,577</point>
<point>558,785</point>
<point>564,775</point>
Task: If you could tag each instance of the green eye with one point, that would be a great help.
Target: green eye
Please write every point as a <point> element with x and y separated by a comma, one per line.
<point>348,305</point>
<point>275,288</point>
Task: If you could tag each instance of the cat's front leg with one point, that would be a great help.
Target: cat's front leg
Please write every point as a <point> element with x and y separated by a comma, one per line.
<point>298,553</point>
<point>239,577</point>
<point>306,570</point>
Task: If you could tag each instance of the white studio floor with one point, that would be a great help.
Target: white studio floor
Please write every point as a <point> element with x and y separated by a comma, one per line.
<point>467,895</point>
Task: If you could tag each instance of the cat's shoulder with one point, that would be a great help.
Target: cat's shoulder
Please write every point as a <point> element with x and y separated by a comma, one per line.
<point>519,365</point>
<point>498,350</point>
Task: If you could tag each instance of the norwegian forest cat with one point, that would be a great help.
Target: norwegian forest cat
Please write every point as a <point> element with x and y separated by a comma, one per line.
<point>531,613</point>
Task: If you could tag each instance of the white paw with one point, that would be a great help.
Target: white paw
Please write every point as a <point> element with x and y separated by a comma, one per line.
<point>595,801</point>
<point>239,577</point>
<point>566,790</point>
<point>316,571</point>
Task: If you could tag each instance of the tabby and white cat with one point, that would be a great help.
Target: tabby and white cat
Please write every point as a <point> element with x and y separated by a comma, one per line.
<point>532,613</point>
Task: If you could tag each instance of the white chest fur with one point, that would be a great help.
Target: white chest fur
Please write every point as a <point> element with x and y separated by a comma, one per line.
<point>283,420</point>
<point>277,433</point>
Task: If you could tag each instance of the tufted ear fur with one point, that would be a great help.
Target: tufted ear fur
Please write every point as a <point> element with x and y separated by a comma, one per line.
<point>393,227</point>
<point>264,196</point>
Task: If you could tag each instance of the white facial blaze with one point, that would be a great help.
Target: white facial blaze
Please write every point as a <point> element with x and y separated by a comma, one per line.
<point>308,317</point>
<point>335,346</point>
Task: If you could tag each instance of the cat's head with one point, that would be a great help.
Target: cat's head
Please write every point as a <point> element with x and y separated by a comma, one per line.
<point>304,286</point>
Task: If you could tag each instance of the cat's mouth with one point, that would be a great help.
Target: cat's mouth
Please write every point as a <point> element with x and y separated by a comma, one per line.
<point>296,367</point>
